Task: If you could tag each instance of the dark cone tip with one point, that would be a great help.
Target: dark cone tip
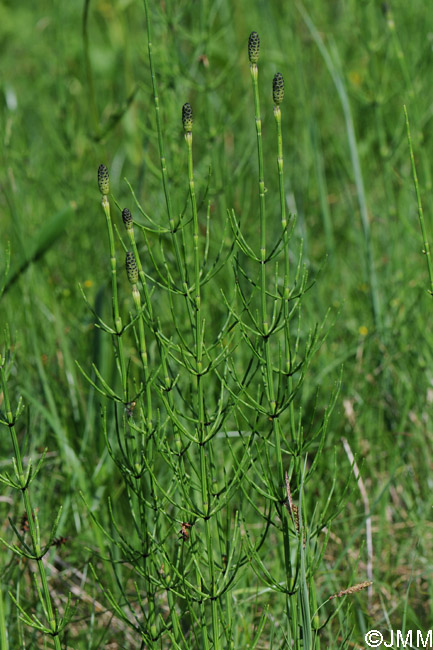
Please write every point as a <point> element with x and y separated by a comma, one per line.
<point>187,117</point>
<point>278,88</point>
<point>253,47</point>
<point>126,217</point>
<point>103,180</point>
<point>131,268</point>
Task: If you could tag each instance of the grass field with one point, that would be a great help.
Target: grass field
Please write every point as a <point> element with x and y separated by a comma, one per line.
<point>244,429</point>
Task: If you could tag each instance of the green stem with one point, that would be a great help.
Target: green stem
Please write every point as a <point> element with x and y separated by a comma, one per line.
<point>286,293</point>
<point>270,391</point>
<point>115,301</point>
<point>143,357</point>
<point>204,461</point>
<point>287,345</point>
<point>144,442</point>
<point>265,324</point>
<point>131,235</point>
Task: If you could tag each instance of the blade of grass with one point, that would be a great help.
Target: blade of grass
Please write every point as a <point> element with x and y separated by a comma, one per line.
<point>334,69</point>
<point>47,237</point>
<point>426,249</point>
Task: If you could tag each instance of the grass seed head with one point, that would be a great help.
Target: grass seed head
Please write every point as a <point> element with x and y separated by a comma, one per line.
<point>352,590</point>
<point>278,88</point>
<point>253,47</point>
<point>131,268</point>
<point>187,117</point>
<point>103,180</point>
<point>127,218</point>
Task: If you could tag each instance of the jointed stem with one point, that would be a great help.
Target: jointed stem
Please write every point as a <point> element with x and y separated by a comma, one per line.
<point>286,291</point>
<point>286,295</point>
<point>115,301</point>
<point>254,76</point>
<point>270,391</point>
<point>205,460</point>
<point>144,486</point>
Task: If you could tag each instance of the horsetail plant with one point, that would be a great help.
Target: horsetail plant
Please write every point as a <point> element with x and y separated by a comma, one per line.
<point>287,445</point>
<point>205,433</point>
<point>29,548</point>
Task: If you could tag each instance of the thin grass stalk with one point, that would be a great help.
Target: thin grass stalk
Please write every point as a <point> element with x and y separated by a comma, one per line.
<point>162,157</point>
<point>426,244</point>
<point>24,482</point>
<point>416,106</point>
<point>158,115</point>
<point>198,335</point>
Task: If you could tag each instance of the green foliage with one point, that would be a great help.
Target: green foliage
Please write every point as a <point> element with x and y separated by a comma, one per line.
<point>222,503</point>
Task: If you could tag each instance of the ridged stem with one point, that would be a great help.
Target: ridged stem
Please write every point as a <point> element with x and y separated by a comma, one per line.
<point>204,465</point>
<point>286,292</point>
<point>143,357</point>
<point>287,350</point>
<point>115,300</point>
<point>254,77</point>
<point>270,391</point>
<point>143,441</point>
